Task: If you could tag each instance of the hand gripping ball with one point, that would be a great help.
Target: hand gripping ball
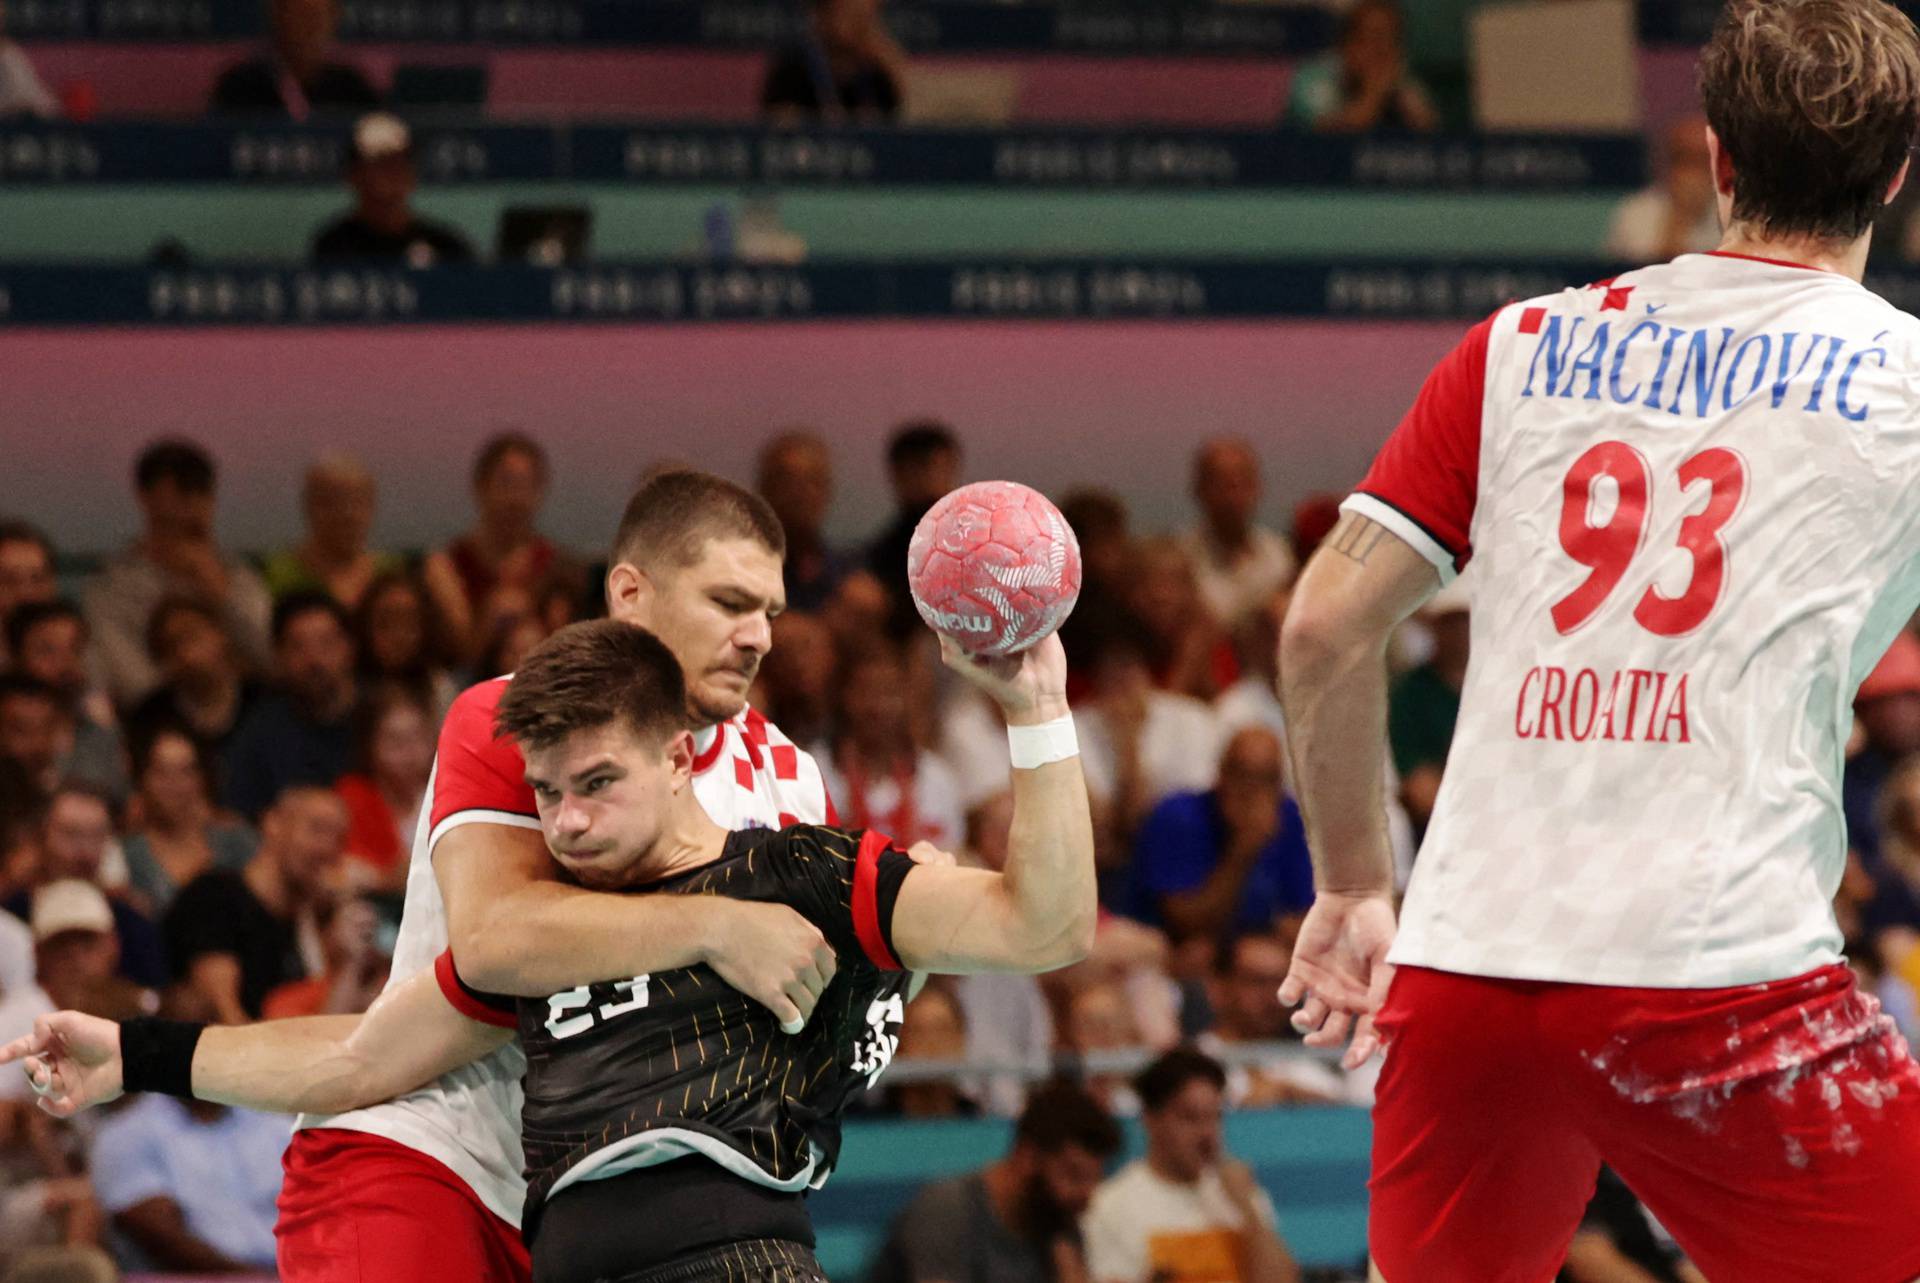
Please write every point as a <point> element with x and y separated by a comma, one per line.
<point>994,566</point>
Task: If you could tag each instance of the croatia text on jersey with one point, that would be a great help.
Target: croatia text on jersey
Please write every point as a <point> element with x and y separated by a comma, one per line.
<point>1697,372</point>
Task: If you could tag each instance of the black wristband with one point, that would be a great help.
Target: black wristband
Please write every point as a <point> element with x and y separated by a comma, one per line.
<point>157,1055</point>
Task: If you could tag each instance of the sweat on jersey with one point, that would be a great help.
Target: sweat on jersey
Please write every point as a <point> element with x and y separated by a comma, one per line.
<point>1690,495</point>
<point>631,1073</point>
<point>746,775</point>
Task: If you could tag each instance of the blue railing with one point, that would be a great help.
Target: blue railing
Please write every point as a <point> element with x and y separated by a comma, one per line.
<point>1012,159</point>
<point>667,292</point>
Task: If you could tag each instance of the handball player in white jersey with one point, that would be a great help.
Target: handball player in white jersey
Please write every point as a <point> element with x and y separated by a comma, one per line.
<point>428,1188</point>
<point>1691,500</point>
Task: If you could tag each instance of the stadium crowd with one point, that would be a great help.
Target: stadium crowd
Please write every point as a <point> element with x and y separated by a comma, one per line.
<point>211,768</point>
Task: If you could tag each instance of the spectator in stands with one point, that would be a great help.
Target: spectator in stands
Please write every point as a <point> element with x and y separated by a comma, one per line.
<point>1677,214</point>
<point>1099,1022</point>
<point>1187,1210</point>
<point>21,93</point>
<point>36,729</point>
<point>355,972</point>
<point>797,681</point>
<point>76,842</point>
<point>394,742</point>
<point>301,732</point>
<point>1232,858</point>
<point>1620,1242</point>
<point>1100,522</point>
<point>796,480</point>
<point>1191,653</point>
<point>935,1028</point>
<point>295,78</point>
<point>876,777</point>
<point>1139,743</point>
<point>338,502</point>
<point>1887,710</point>
<point>48,642</point>
<point>1248,969</point>
<point>1014,1221</point>
<point>1254,699</point>
<point>1364,84</point>
<point>1424,704</point>
<point>176,555</point>
<point>923,464</point>
<point>383,227</point>
<point>397,635</point>
<point>1314,518</point>
<point>235,937</point>
<point>77,953</point>
<point>26,569</point>
<point>23,808</point>
<point>190,1186</point>
<point>848,66</point>
<point>1238,563</point>
<point>178,835</point>
<point>202,687</point>
<point>499,566</point>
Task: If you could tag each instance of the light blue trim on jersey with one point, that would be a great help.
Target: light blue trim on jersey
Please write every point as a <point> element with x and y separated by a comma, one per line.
<point>665,1144</point>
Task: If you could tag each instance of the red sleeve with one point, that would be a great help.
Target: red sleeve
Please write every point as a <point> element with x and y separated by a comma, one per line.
<point>487,1008</point>
<point>475,770</point>
<point>874,896</point>
<point>1428,473</point>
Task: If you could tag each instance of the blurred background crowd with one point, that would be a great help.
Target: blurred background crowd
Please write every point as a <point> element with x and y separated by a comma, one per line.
<point>211,768</point>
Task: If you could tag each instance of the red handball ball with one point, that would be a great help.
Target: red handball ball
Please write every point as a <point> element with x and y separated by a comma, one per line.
<point>994,566</point>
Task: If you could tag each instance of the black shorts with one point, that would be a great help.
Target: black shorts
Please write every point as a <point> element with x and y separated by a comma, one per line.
<point>681,1222</point>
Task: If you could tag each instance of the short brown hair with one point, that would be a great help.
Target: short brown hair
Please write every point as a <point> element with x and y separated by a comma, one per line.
<point>497,448</point>
<point>590,675</point>
<point>673,514</point>
<point>1815,103</point>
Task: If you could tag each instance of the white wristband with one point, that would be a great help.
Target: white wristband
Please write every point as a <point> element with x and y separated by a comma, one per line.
<point>1035,746</point>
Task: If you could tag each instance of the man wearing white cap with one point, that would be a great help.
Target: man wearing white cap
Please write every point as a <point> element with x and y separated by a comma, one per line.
<point>383,226</point>
<point>77,952</point>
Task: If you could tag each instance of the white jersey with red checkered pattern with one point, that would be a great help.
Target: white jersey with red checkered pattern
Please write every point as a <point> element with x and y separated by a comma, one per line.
<point>1690,495</point>
<point>746,774</point>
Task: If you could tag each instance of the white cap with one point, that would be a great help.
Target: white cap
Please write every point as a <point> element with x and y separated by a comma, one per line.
<point>70,905</point>
<point>379,135</point>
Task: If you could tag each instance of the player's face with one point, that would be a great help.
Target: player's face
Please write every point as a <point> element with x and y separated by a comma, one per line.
<point>1185,1133</point>
<point>716,616</point>
<point>603,795</point>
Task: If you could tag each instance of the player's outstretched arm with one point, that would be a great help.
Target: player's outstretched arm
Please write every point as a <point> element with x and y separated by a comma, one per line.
<point>320,1064</point>
<point>1333,685</point>
<point>1039,914</point>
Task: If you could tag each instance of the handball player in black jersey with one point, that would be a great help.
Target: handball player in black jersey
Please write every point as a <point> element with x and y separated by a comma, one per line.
<point>671,1130</point>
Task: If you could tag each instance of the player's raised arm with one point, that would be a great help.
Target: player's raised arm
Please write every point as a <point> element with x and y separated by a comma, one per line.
<point>320,1064</point>
<point>1039,914</point>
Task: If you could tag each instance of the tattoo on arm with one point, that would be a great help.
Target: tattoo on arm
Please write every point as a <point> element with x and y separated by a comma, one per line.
<point>1356,537</point>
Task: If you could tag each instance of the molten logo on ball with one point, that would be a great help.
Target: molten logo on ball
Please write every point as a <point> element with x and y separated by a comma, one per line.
<point>994,566</point>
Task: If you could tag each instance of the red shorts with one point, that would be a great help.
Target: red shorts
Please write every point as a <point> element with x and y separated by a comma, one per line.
<point>359,1208</point>
<point>1773,1129</point>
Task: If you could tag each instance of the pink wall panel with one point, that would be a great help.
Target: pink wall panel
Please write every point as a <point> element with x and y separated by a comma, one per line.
<point>1055,404</point>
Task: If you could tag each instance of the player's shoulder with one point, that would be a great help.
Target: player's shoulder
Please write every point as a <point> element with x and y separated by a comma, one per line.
<point>806,841</point>
<point>480,702</point>
<point>471,725</point>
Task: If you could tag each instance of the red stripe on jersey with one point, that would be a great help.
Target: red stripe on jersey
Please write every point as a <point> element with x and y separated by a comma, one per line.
<point>756,724</point>
<point>866,911</point>
<point>1771,262</point>
<point>1532,319</point>
<point>786,761</point>
<point>463,999</point>
<point>832,811</point>
<point>702,761</point>
<point>743,773</point>
<point>475,769</point>
<point>1429,468</point>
